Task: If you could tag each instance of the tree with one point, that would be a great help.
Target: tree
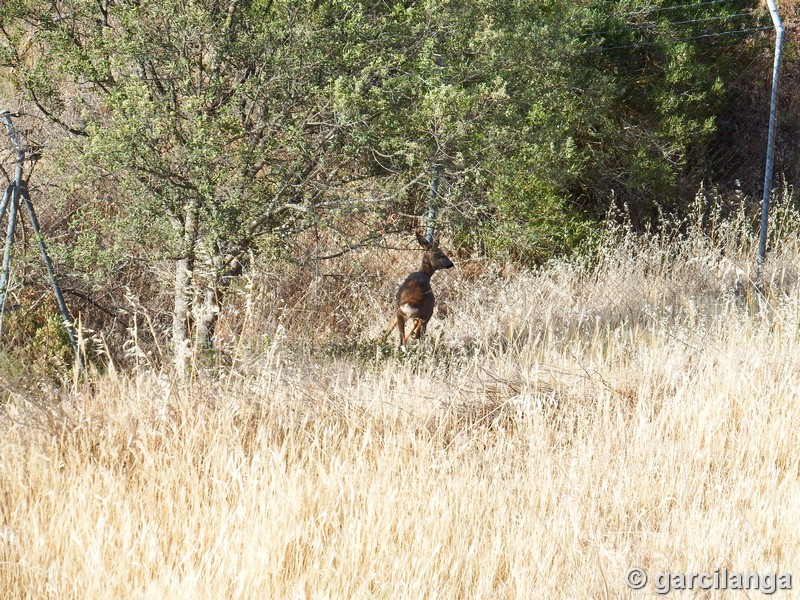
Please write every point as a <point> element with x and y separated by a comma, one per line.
<point>500,119</point>
<point>218,128</point>
<point>213,120</point>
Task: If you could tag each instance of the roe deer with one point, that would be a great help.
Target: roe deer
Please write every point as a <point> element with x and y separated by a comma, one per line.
<point>415,299</point>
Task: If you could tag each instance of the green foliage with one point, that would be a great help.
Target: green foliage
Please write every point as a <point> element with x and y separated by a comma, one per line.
<point>35,341</point>
<point>216,108</point>
<point>670,62</point>
<point>497,116</point>
<point>210,131</point>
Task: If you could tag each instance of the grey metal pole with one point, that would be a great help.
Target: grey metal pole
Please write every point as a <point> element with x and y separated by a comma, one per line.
<point>51,274</point>
<point>12,217</point>
<point>4,275</point>
<point>773,115</point>
<point>19,189</point>
<point>433,196</point>
<point>12,225</point>
<point>4,203</point>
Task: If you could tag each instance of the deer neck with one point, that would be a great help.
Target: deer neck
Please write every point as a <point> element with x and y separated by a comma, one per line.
<point>427,267</point>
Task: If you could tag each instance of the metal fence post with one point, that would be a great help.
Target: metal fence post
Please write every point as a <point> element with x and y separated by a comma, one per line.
<point>19,190</point>
<point>773,114</point>
<point>12,194</point>
<point>437,169</point>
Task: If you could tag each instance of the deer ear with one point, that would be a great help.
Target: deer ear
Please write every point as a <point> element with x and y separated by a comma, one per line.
<point>423,242</point>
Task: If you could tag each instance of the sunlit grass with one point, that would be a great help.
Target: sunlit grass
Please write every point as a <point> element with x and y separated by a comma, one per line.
<point>556,428</point>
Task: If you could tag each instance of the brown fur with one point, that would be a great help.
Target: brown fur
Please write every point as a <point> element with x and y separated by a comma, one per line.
<point>415,300</point>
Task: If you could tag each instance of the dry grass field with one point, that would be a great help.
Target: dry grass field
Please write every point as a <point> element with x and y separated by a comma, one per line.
<point>557,428</point>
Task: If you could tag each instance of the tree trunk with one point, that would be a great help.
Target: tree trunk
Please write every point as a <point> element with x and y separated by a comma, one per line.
<point>220,272</point>
<point>184,275</point>
<point>206,314</point>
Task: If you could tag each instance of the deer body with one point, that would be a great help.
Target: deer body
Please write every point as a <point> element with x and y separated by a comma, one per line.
<point>415,300</point>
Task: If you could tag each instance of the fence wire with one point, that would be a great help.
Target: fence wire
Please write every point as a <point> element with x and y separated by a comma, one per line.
<point>709,257</point>
<point>699,262</point>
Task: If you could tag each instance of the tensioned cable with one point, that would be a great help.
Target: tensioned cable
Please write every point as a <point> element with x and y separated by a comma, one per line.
<point>717,44</point>
<point>657,25</point>
<point>674,41</point>
<point>675,7</point>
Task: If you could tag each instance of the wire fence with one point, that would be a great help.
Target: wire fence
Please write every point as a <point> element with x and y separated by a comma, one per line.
<point>730,179</point>
<point>737,157</point>
<point>712,253</point>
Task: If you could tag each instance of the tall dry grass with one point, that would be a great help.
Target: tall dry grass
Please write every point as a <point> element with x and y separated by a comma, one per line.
<point>639,409</point>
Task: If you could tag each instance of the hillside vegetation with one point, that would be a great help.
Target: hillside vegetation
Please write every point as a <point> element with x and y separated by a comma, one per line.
<point>179,143</point>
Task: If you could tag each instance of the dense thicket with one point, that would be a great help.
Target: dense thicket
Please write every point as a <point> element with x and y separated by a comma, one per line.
<point>205,132</point>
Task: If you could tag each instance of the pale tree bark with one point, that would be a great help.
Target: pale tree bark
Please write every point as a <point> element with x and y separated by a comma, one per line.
<point>206,314</point>
<point>184,279</point>
<point>218,273</point>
